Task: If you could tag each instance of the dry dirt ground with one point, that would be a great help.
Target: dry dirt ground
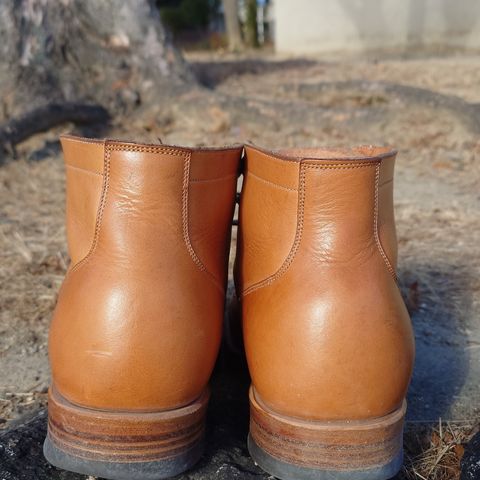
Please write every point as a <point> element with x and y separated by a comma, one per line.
<point>428,108</point>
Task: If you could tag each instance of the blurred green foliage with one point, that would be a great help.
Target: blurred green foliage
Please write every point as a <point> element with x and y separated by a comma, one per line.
<point>185,15</point>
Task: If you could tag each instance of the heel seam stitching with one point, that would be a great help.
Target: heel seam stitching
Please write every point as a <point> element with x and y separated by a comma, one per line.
<point>185,226</point>
<point>375,225</point>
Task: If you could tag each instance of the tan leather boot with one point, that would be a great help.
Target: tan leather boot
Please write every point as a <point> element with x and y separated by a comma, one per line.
<point>328,339</point>
<point>137,326</point>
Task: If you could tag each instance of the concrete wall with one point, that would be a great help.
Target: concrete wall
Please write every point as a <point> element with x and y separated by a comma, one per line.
<point>309,26</point>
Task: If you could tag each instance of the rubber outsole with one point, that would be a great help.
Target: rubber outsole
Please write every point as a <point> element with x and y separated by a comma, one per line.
<point>155,470</point>
<point>288,471</point>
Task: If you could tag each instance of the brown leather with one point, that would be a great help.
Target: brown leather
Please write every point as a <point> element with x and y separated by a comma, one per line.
<point>138,321</point>
<point>84,180</point>
<point>326,332</point>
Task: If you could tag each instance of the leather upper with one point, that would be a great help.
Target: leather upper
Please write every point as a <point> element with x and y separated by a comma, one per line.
<point>326,332</point>
<point>138,320</point>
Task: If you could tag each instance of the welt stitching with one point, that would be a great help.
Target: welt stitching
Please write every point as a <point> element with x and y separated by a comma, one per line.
<point>273,184</point>
<point>185,222</point>
<point>296,242</point>
<point>375,225</point>
<point>101,208</point>
<point>218,179</point>
<point>83,169</point>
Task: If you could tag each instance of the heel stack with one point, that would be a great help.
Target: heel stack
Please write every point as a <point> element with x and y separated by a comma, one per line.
<point>293,449</point>
<point>124,445</point>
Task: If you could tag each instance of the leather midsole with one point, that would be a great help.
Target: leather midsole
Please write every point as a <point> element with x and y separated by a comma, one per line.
<point>125,436</point>
<point>327,444</point>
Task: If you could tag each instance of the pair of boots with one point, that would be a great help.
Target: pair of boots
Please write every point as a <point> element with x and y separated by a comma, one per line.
<point>138,323</point>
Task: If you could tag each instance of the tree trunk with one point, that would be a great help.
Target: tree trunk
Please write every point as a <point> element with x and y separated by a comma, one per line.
<point>251,32</point>
<point>232,24</point>
<point>108,52</point>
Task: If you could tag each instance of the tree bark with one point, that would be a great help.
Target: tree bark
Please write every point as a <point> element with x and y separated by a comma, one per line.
<point>251,33</point>
<point>108,52</point>
<point>232,24</point>
<point>43,118</point>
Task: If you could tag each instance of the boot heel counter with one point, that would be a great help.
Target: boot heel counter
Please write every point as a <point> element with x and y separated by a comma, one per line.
<point>338,331</point>
<point>84,160</point>
<point>120,338</point>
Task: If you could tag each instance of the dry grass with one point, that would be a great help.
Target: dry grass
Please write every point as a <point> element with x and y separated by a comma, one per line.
<point>435,452</point>
<point>437,211</point>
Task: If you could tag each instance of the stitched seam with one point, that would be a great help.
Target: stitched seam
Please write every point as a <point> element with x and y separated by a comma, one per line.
<point>185,225</point>
<point>108,148</point>
<point>375,225</point>
<point>147,149</point>
<point>296,242</point>
<point>101,208</point>
<point>363,159</point>
<point>273,184</point>
<point>218,179</point>
<point>300,218</point>
<point>340,166</point>
<point>83,169</point>
<point>126,146</point>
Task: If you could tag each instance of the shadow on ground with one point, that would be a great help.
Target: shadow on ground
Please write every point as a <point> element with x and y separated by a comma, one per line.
<point>439,298</point>
<point>210,74</point>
